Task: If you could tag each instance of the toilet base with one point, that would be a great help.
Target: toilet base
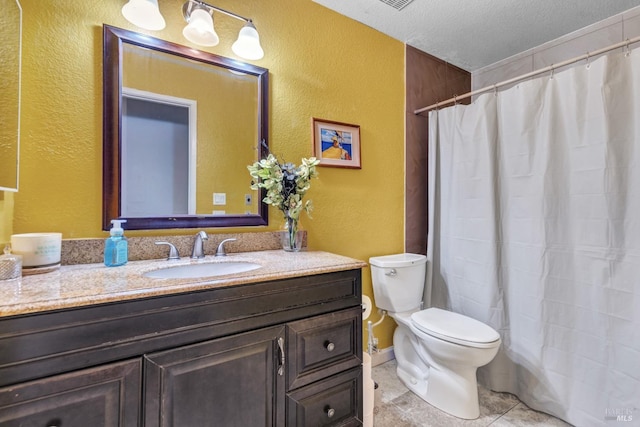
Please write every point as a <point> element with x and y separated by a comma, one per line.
<point>458,398</point>
<point>455,393</point>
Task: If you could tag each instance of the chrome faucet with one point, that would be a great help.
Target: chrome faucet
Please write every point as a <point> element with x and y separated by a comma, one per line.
<point>220,251</point>
<point>197,245</point>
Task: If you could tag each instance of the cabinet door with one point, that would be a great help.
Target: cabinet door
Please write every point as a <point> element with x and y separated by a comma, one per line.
<point>107,396</point>
<point>227,382</point>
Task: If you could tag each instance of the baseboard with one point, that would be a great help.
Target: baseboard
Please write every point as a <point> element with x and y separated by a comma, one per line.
<point>382,356</point>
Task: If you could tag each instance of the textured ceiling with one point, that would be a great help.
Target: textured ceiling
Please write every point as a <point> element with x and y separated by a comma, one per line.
<point>472,34</point>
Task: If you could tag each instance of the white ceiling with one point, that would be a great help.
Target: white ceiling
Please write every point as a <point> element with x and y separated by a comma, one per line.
<point>472,34</point>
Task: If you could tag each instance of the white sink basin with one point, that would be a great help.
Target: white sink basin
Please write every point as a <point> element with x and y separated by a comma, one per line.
<point>192,271</point>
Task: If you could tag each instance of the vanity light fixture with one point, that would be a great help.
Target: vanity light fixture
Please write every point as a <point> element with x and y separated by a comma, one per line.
<point>199,29</point>
<point>144,13</point>
<point>248,44</point>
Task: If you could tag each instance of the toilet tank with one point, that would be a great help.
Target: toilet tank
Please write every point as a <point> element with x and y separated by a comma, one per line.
<point>398,281</point>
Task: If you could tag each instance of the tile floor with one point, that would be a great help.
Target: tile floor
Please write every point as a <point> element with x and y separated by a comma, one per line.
<point>401,408</point>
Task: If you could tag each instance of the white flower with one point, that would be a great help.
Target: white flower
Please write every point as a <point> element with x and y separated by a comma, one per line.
<point>285,184</point>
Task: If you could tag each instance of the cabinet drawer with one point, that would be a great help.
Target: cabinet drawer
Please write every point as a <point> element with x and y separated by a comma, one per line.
<point>331,402</point>
<point>323,346</point>
<point>107,396</point>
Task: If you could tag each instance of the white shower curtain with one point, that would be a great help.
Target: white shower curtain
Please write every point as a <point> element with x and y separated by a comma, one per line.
<point>534,229</point>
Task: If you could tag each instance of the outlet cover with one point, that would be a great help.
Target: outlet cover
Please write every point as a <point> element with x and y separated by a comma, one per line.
<point>248,199</point>
<point>219,198</point>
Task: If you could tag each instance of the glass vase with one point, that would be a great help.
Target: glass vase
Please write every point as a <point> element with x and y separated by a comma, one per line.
<point>292,236</point>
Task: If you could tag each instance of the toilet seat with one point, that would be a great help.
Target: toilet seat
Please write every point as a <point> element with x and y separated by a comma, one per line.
<point>455,328</point>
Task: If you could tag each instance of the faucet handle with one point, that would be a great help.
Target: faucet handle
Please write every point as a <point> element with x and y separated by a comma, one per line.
<point>173,252</point>
<point>220,251</point>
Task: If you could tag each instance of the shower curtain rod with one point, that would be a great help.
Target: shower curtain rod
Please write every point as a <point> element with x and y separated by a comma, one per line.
<point>551,68</point>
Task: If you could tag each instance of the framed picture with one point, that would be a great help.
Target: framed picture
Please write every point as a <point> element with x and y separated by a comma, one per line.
<point>336,144</point>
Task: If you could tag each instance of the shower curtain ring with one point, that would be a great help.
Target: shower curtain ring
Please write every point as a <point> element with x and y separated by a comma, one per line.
<point>495,90</point>
<point>588,61</point>
<point>455,100</point>
<point>552,71</point>
<point>627,49</point>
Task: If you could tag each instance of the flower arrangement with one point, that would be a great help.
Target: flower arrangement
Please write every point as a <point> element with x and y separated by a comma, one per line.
<point>285,184</point>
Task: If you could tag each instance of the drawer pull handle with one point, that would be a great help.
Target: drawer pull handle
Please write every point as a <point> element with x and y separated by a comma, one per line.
<point>329,346</point>
<point>330,412</point>
<point>281,354</point>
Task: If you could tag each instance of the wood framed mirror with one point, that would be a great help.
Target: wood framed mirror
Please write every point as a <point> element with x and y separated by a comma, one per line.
<point>10,70</point>
<point>180,127</point>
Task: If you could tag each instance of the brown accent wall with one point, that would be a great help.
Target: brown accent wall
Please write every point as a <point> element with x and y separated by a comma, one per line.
<point>428,80</point>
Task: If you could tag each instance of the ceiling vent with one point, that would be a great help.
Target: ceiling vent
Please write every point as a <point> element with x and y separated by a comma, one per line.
<point>397,4</point>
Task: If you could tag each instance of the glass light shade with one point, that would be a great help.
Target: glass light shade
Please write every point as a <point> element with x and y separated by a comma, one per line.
<point>200,29</point>
<point>248,44</point>
<point>144,13</point>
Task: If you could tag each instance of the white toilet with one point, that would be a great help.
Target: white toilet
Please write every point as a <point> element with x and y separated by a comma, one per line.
<point>437,351</point>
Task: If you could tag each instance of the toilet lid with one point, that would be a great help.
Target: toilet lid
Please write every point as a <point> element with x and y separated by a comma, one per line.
<point>397,260</point>
<point>453,327</point>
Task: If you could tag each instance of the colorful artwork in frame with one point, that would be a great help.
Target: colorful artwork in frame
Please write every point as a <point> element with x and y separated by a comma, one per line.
<point>336,144</point>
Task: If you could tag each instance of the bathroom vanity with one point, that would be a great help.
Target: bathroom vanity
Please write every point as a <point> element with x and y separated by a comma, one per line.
<point>97,346</point>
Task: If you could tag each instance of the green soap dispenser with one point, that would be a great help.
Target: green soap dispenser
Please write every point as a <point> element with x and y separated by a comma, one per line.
<point>116,247</point>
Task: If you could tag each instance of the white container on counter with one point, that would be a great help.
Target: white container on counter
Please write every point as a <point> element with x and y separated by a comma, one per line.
<point>38,250</point>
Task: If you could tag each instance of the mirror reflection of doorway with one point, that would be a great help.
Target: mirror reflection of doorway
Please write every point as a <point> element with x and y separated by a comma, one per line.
<point>158,155</point>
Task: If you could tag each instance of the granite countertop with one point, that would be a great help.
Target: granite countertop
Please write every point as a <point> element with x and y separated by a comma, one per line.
<point>87,284</point>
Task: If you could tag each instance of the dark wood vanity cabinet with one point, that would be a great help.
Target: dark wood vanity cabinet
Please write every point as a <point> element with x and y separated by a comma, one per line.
<point>278,353</point>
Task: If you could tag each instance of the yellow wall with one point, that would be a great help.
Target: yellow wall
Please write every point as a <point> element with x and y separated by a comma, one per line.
<point>321,65</point>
